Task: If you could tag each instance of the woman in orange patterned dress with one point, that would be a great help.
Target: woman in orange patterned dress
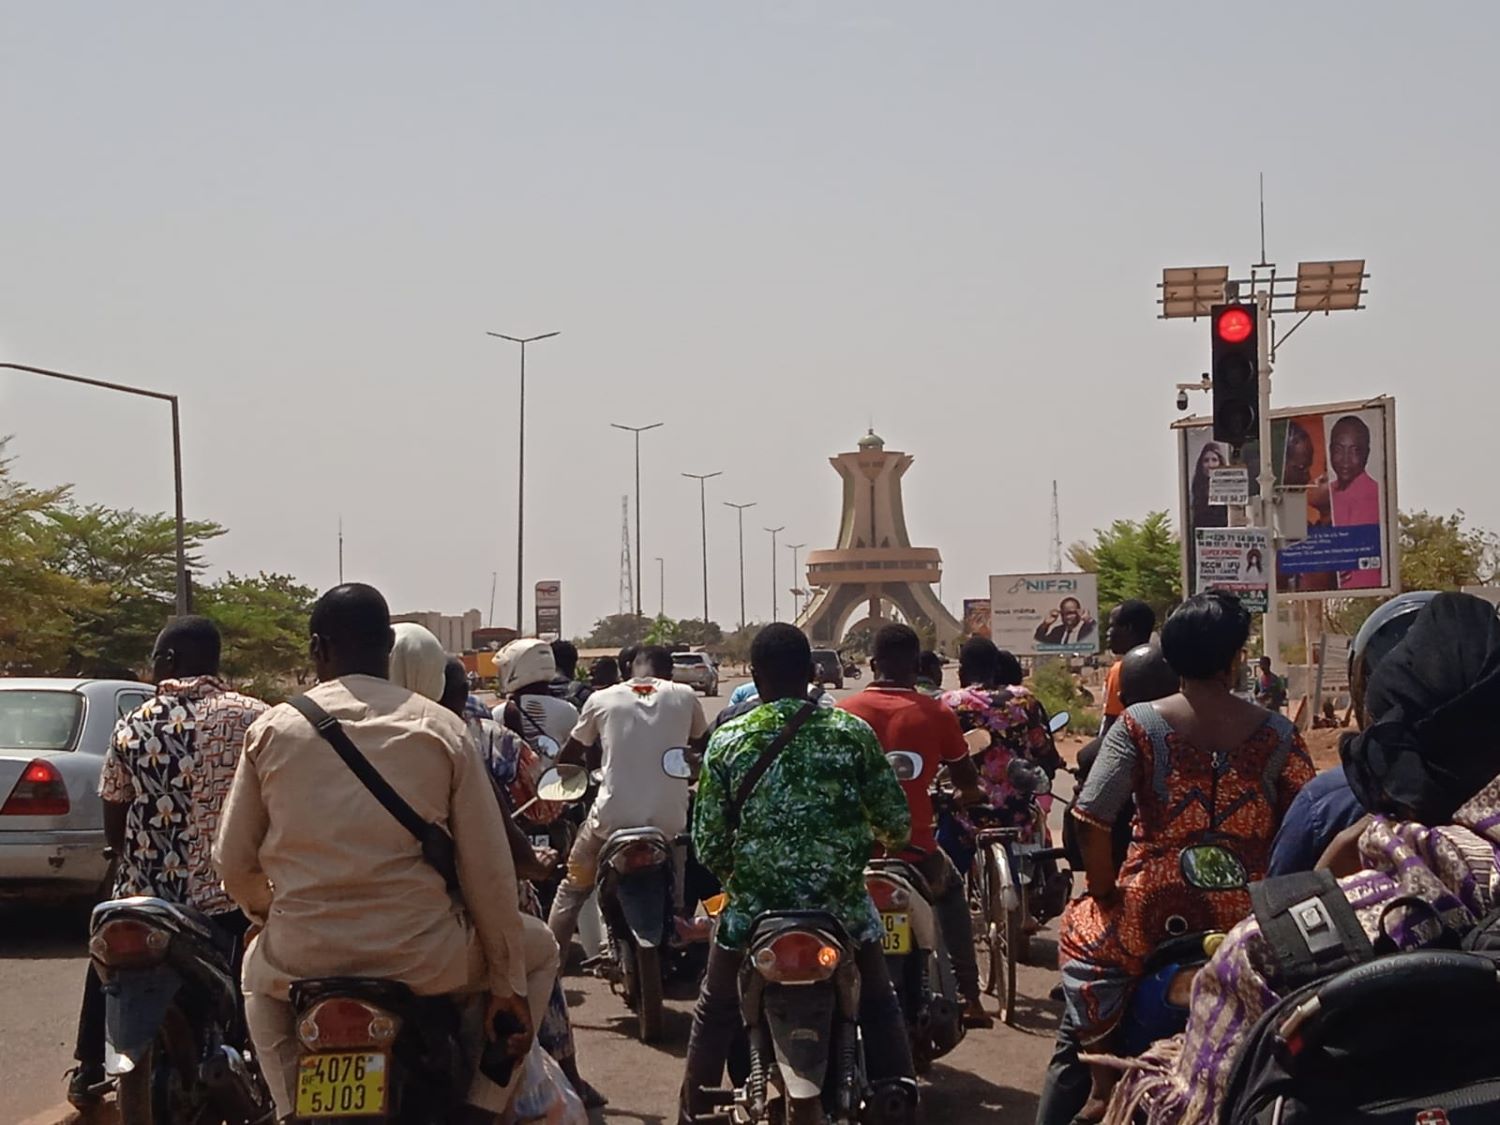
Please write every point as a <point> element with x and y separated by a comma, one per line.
<point>1204,766</point>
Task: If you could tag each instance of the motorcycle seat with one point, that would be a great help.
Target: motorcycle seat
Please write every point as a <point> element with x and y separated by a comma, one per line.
<point>183,917</point>
<point>391,994</point>
<point>773,922</point>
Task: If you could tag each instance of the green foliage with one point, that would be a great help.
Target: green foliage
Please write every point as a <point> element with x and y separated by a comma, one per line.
<point>264,624</point>
<point>699,633</point>
<point>1134,559</point>
<point>1440,553</point>
<point>617,631</point>
<point>1059,690</point>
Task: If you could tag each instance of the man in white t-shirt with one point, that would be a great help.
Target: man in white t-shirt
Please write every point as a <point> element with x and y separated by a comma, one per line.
<point>628,728</point>
<point>531,710</point>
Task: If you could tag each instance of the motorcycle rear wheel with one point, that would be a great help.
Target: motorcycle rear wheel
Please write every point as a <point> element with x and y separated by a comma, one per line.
<point>649,998</point>
<point>162,1089</point>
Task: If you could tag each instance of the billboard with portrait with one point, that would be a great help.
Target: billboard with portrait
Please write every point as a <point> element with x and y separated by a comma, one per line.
<point>1338,462</point>
<point>977,617</point>
<point>1045,614</point>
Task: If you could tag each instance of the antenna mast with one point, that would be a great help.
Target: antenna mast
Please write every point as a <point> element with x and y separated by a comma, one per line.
<point>1056,559</point>
<point>627,581</point>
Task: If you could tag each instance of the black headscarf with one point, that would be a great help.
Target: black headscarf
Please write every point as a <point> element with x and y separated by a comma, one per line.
<point>1435,701</point>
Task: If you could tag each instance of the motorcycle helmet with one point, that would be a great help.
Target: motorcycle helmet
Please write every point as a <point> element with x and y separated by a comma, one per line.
<point>525,662</point>
<point>1381,632</point>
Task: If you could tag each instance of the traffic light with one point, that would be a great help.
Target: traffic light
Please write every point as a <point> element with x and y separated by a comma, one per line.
<point>1236,373</point>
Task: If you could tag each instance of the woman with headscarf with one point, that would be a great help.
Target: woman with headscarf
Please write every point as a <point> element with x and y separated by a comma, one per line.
<point>1211,457</point>
<point>1429,764</point>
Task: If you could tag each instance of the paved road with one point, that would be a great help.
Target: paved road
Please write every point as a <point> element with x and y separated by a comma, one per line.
<point>992,1077</point>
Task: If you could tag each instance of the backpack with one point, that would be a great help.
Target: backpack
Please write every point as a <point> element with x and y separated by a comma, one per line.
<point>1411,1037</point>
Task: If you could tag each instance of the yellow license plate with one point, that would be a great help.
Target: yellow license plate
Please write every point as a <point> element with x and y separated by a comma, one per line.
<point>897,936</point>
<point>351,1084</point>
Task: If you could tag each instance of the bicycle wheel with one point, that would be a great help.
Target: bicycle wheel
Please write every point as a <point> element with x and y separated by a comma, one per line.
<point>979,920</point>
<point>1005,930</point>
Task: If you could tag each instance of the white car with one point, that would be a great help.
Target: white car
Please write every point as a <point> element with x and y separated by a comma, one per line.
<point>53,735</point>
<point>697,670</point>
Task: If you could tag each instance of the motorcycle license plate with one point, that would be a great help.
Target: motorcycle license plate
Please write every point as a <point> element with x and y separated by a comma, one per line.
<point>343,1084</point>
<point>897,936</point>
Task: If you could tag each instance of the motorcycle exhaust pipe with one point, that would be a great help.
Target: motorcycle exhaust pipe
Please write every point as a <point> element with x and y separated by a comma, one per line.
<point>233,1091</point>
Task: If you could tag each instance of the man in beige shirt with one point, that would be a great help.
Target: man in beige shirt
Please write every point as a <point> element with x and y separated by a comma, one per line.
<point>338,886</point>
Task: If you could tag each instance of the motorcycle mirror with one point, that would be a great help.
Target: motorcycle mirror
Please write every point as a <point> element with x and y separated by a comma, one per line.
<point>1059,722</point>
<point>906,763</point>
<point>545,745</point>
<point>1027,777</point>
<point>978,740</point>
<point>674,763</point>
<point>1211,867</point>
<point>562,783</point>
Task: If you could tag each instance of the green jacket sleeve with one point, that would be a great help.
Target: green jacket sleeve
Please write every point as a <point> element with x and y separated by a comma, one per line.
<point>711,839</point>
<point>883,798</point>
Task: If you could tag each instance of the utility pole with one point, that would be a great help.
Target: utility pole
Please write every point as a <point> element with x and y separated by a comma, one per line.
<point>341,550</point>
<point>1056,559</point>
<point>637,431</point>
<point>775,601</point>
<point>701,478</point>
<point>627,590</point>
<point>662,586</point>
<point>494,581</point>
<point>796,549</point>
<point>741,509</point>
<point>521,474</point>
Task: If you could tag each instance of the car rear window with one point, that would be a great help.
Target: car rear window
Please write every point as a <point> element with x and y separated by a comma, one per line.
<point>688,658</point>
<point>40,720</point>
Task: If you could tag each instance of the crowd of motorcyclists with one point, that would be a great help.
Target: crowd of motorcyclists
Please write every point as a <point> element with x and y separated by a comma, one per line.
<point>389,843</point>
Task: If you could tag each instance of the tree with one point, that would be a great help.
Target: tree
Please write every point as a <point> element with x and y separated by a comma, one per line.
<point>1135,559</point>
<point>37,601</point>
<point>617,630</point>
<point>133,556</point>
<point>1440,553</point>
<point>263,621</point>
<point>699,633</point>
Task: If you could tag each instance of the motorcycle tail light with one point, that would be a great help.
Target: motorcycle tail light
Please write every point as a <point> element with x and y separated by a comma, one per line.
<point>637,857</point>
<point>340,1023</point>
<point>1180,987</point>
<point>797,957</point>
<point>887,893</point>
<point>40,792</point>
<point>127,943</point>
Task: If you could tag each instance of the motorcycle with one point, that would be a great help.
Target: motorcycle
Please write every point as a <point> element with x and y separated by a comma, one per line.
<point>174,1032</point>
<point>852,671</point>
<point>916,956</point>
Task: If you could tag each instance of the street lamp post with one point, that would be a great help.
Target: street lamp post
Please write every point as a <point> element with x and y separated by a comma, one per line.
<point>701,478</point>
<point>741,509</point>
<point>637,431</point>
<point>521,473</point>
<point>796,549</point>
<point>184,597</point>
<point>661,564</point>
<point>775,601</point>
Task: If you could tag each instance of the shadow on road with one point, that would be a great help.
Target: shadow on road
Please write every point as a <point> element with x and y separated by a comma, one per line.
<point>43,932</point>
<point>958,1095</point>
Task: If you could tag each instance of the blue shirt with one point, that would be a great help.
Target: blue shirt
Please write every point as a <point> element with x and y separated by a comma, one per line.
<point>741,693</point>
<point>1320,811</point>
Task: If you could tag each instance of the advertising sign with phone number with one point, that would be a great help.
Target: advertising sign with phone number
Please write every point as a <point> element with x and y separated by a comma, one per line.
<point>1233,559</point>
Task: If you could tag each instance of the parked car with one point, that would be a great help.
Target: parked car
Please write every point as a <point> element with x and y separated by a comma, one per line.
<point>697,670</point>
<point>828,668</point>
<point>53,735</point>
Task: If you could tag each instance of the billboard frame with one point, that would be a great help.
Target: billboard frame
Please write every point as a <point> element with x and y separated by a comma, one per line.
<point>1387,405</point>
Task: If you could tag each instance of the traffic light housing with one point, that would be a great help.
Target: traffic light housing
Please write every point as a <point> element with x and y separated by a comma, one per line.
<point>1236,373</point>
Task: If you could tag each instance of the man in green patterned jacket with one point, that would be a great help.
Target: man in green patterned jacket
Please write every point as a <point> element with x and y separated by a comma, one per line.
<point>805,833</point>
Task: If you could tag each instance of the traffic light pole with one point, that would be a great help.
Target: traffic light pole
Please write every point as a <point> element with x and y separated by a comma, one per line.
<point>1271,629</point>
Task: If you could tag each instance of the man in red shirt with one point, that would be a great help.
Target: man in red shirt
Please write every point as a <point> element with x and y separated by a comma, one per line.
<point>905,719</point>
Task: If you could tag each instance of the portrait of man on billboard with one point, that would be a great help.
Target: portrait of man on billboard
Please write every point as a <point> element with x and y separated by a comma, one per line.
<point>1068,624</point>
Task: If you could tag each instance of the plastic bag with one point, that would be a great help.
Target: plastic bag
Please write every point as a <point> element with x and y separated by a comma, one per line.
<point>545,1096</point>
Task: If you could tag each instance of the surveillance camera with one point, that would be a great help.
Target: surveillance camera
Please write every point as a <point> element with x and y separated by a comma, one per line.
<point>1182,401</point>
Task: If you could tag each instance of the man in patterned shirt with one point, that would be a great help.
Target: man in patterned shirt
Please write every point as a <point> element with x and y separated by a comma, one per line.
<point>164,781</point>
<point>805,833</point>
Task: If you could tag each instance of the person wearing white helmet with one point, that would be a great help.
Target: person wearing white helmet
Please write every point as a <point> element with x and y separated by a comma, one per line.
<point>527,668</point>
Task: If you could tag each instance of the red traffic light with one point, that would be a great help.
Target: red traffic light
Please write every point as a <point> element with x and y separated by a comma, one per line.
<point>1235,325</point>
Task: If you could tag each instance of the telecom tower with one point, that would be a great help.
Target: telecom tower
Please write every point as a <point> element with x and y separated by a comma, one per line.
<point>627,582</point>
<point>1056,534</point>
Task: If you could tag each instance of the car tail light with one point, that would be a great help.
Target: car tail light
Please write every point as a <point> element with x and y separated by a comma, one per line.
<point>340,1023</point>
<point>797,957</point>
<point>40,792</point>
<point>637,857</point>
<point>887,893</point>
<point>128,943</point>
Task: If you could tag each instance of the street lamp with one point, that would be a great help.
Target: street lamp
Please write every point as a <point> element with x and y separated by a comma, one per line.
<point>775,608</point>
<point>741,509</point>
<point>521,473</point>
<point>183,595</point>
<point>703,511</point>
<point>662,587</point>
<point>796,549</point>
<point>637,431</point>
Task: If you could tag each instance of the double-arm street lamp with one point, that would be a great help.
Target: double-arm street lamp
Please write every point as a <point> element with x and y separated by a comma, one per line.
<point>702,479</point>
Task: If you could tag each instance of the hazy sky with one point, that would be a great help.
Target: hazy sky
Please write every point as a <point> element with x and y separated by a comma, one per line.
<point>765,224</point>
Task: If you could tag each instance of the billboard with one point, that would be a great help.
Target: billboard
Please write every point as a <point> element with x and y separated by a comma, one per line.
<point>1045,614</point>
<point>549,609</point>
<point>1337,460</point>
<point>1234,559</point>
<point>976,617</point>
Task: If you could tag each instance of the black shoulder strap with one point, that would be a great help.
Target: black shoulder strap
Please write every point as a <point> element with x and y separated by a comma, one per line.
<point>437,845</point>
<point>763,763</point>
<point>1310,926</point>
